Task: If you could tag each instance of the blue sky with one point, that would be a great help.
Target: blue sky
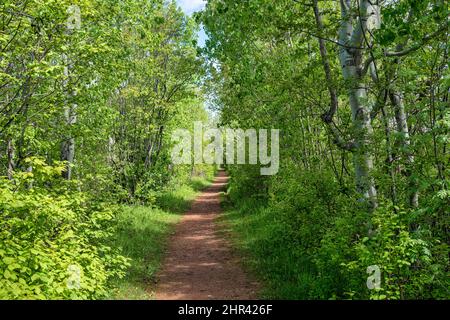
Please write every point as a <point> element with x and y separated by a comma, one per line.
<point>191,6</point>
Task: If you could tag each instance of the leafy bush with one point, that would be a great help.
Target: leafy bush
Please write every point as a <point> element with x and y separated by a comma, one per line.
<point>53,239</point>
<point>311,241</point>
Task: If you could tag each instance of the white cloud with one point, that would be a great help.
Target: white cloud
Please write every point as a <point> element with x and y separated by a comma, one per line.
<point>190,6</point>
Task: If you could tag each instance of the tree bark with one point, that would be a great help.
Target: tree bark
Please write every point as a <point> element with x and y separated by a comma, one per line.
<point>68,145</point>
<point>405,141</point>
<point>351,39</point>
<point>10,152</point>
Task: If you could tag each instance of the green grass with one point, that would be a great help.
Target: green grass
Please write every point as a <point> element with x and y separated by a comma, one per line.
<point>258,237</point>
<point>143,233</point>
<point>180,199</point>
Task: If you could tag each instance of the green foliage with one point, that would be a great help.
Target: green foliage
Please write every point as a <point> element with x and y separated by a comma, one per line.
<point>404,261</point>
<point>308,231</point>
<point>309,242</point>
<point>142,233</point>
<point>49,228</point>
<point>86,115</point>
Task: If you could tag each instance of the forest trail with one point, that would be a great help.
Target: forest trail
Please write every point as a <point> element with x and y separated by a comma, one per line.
<point>200,263</point>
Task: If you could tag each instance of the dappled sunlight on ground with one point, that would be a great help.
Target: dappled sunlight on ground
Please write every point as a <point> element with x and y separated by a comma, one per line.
<point>199,263</point>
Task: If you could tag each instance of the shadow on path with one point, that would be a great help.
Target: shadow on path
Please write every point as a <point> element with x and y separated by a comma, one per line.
<point>199,264</point>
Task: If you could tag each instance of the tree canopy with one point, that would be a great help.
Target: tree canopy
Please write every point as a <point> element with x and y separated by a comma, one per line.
<point>92,90</point>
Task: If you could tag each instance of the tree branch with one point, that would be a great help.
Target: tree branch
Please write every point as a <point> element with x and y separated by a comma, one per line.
<point>328,116</point>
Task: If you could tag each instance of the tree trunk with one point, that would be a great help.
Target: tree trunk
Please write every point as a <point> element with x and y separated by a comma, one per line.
<point>405,141</point>
<point>68,146</point>
<point>351,40</point>
<point>363,131</point>
<point>10,151</point>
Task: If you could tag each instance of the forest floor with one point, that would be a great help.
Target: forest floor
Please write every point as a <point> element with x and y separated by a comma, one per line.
<point>200,263</point>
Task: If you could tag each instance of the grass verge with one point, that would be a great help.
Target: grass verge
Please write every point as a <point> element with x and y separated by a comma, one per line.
<point>143,233</point>
<point>258,237</point>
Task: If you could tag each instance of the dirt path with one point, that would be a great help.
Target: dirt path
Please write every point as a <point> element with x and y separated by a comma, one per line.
<point>199,262</point>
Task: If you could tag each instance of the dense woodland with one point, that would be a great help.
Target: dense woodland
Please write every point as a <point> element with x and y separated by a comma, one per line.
<point>91,90</point>
<point>360,91</point>
<point>85,107</point>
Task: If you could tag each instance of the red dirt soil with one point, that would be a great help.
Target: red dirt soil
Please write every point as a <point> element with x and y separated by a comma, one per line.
<point>199,263</point>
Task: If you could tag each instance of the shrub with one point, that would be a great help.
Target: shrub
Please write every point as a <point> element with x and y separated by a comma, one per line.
<point>53,238</point>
